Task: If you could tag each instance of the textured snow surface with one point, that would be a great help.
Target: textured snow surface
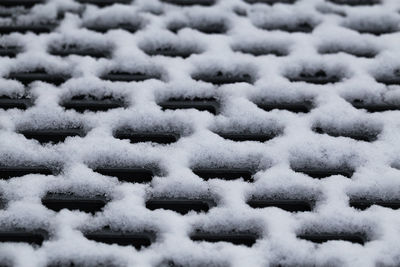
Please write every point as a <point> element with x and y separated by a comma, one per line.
<point>274,53</point>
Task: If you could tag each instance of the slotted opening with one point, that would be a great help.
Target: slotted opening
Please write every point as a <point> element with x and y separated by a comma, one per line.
<point>190,2</point>
<point>180,205</point>
<point>27,77</point>
<point>351,50</point>
<point>24,236</point>
<point>82,103</point>
<point>32,27</point>
<point>7,102</point>
<point>287,204</point>
<point>355,2</point>
<point>380,106</point>
<point>59,201</point>
<point>270,2</point>
<point>10,50</point>
<point>316,77</point>
<point>135,239</point>
<point>55,136</point>
<point>65,50</point>
<point>8,172</point>
<point>130,175</point>
<point>122,76</point>
<point>103,3</point>
<point>243,137</point>
<point>129,26</point>
<point>357,238</point>
<point>361,133</point>
<point>205,26</point>
<point>202,104</point>
<point>365,203</point>
<point>170,50</point>
<point>324,172</point>
<point>261,49</point>
<point>295,106</point>
<point>234,237</point>
<point>24,3</point>
<point>224,173</point>
<point>374,26</point>
<point>142,136</point>
<point>224,77</point>
<point>304,25</point>
<point>391,79</point>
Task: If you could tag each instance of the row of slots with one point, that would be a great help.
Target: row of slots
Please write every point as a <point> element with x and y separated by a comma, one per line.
<point>103,3</point>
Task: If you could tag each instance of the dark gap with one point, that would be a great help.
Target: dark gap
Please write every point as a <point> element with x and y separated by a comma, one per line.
<point>391,79</point>
<point>325,237</point>
<point>103,28</point>
<point>170,51</point>
<point>180,205</point>
<point>207,27</point>
<point>44,136</point>
<point>10,172</point>
<point>138,240</point>
<point>190,2</point>
<point>10,51</point>
<point>28,77</point>
<point>139,137</point>
<point>130,175</point>
<point>262,50</point>
<point>355,2</point>
<point>224,173</point>
<point>236,238</point>
<point>67,50</point>
<point>82,103</point>
<point>361,134</point>
<point>270,2</point>
<point>363,204</point>
<point>291,205</point>
<point>320,173</point>
<point>59,201</point>
<point>24,3</point>
<point>367,53</point>
<point>242,137</point>
<point>301,26</point>
<point>103,3</point>
<point>121,76</point>
<point>35,28</point>
<point>202,104</point>
<point>374,107</point>
<point>304,106</point>
<point>19,103</point>
<point>23,236</point>
<point>221,77</point>
<point>319,77</point>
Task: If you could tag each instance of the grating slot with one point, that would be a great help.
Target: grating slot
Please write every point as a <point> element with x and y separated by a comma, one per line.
<point>10,103</point>
<point>236,238</point>
<point>24,3</point>
<point>375,107</point>
<point>262,50</point>
<point>22,236</point>
<point>224,173</point>
<point>82,103</point>
<point>363,204</point>
<point>270,2</point>
<point>202,104</point>
<point>170,51</point>
<point>393,79</point>
<point>38,75</point>
<point>221,78</point>
<point>10,51</point>
<point>103,3</point>
<point>190,2</point>
<point>135,239</point>
<point>207,27</point>
<point>363,134</point>
<point>291,205</point>
<point>357,52</point>
<point>11,172</point>
<point>355,2</point>
<point>35,28</point>
<point>326,237</point>
<point>103,28</point>
<point>320,173</point>
<point>319,77</point>
<point>295,107</point>
<point>59,201</point>
<point>119,76</point>
<point>44,136</point>
<point>180,205</point>
<point>130,175</point>
<point>300,26</point>
<point>140,137</point>
<point>242,137</point>
<point>68,50</point>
